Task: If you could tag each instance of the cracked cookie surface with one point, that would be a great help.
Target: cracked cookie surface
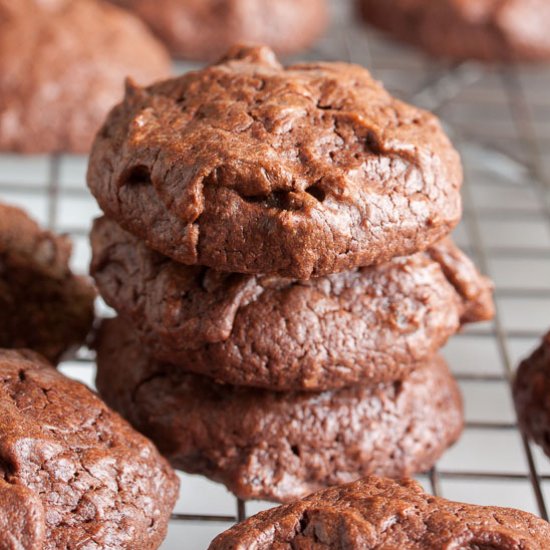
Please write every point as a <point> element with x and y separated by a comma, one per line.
<point>80,476</point>
<point>43,305</point>
<point>205,29</point>
<point>367,325</point>
<point>375,513</point>
<point>279,446</point>
<point>489,30</point>
<point>62,67</point>
<point>248,167</point>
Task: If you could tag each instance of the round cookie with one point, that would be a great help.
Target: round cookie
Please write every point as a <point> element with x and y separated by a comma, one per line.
<point>375,513</point>
<point>74,474</point>
<point>62,67</point>
<point>532,395</point>
<point>280,446</point>
<point>43,306</point>
<point>505,30</point>
<point>248,167</point>
<point>205,29</point>
<point>367,325</point>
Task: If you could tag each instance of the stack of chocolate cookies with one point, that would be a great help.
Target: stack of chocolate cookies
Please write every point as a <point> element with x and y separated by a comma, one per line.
<point>275,244</point>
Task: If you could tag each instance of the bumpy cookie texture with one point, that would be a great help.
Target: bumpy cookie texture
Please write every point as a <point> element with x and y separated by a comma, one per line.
<point>375,513</point>
<point>475,290</point>
<point>22,518</point>
<point>279,446</point>
<point>489,30</point>
<point>367,325</point>
<point>62,67</point>
<point>205,29</point>
<point>532,395</point>
<point>73,474</point>
<point>252,168</point>
<point>43,306</point>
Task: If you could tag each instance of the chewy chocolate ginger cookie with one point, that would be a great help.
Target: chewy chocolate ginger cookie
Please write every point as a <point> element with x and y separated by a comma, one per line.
<point>43,305</point>
<point>367,325</point>
<point>248,167</point>
<point>532,395</point>
<point>376,513</point>
<point>205,29</point>
<point>274,445</point>
<point>488,30</point>
<point>62,67</point>
<point>73,474</point>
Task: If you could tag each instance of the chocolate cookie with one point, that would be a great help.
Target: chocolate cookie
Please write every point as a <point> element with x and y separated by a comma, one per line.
<point>375,513</point>
<point>503,30</point>
<point>62,67</point>
<point>43,306</point>
<point>532,395</point>
<point>370,324</point>
<point>73,473</point>
<point>205,29</point>
<point>252,168</point>
<point>279,446</point>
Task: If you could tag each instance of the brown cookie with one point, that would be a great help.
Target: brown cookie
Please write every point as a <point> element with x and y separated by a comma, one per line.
<point>73,473</point>
<point>280,446</point>
<point>205,29</point>
<point>22,518</point>
<point>252,168</point>
<point>532,395</point>
<point>367,325</point>
<point>375,513</point>
<point>62,67</point>
<point>488,30</point>
<point>43,305</point>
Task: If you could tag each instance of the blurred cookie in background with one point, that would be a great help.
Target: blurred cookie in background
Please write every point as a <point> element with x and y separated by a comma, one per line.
<point>507,30</point>
<point>205,29</point>
<point>43,305</point>
<point>532,395</point>
<point>62,67</point>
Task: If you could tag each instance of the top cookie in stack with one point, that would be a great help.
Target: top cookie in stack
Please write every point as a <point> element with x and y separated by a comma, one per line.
<point>282,229</point>
<point>248,167</point>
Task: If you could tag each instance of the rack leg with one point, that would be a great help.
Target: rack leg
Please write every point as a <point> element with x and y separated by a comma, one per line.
<point>241,510</point>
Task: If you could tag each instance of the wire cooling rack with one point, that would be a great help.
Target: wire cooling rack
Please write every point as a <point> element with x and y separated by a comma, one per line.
<point>499,118</point>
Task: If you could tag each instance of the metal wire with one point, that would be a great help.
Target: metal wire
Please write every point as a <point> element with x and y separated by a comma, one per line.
<point>438,89</point>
